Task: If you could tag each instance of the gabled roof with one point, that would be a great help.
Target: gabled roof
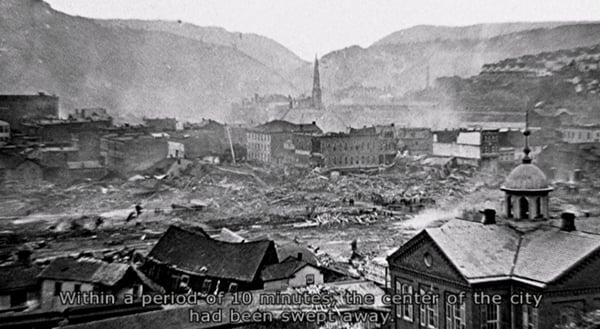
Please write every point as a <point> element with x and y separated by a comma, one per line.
<point>537,256</point>
<point>198,253</point>
<point>85,270</point>
<point>477,250</point>
<point>283,270</point>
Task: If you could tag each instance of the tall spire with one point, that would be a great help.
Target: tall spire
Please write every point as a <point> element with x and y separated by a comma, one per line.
<point>316,91</point>
<point>526,133</point>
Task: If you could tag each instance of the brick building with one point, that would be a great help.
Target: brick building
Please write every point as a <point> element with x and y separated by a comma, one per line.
<point>468,146</point>
<point>522,252</point>
<point>15,109</point>
<point>360,148</point>
<point>272,142</point>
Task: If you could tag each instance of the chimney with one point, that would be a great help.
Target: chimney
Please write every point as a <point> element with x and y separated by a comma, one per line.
<point>567,221</point>
<point>299,256</point>
<point>489,216</point>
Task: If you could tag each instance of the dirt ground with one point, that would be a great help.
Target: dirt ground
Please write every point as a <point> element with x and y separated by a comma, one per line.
<point>322,210</point>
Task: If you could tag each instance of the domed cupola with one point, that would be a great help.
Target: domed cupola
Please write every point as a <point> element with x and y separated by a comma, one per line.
<point>526,189</point>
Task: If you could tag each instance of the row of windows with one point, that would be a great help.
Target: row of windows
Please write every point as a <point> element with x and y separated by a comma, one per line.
<point>456,317</point>
<point>259,137</point>
<point>581,135</point>
<point>358,147</point>
<point>4,129</point>
<point>352,160</point>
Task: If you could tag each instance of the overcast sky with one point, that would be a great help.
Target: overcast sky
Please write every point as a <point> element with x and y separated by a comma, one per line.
<point>308,27</point>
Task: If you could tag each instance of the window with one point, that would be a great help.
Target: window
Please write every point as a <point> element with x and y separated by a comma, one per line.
<point>77,287</point>
<point>407,310</point>
<point>428,313</point>
<point>530,317</point>
<point>490,316</point>
<point>455,316</point>
<point>206,286</point>
<point>310,279</point>
<point>57,288</point>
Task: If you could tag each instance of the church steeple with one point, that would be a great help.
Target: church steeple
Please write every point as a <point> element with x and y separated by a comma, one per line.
<point>316,91</point>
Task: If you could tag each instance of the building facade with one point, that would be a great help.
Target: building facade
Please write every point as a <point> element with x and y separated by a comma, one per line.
<point>273,142</point>
<point>357,149</point>
<point>494,264</point>
<point>581,134</point>
<point>16,109</point>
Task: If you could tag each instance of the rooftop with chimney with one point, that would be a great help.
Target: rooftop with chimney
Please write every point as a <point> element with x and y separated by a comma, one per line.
<point>524,245</point>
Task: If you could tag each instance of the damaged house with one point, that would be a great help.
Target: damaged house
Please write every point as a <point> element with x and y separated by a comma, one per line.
<point>183,261</point>
<point>72,275</point>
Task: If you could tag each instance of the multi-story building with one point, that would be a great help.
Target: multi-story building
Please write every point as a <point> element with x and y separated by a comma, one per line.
<point>468,146</point>
<point>272,142</point>
<point>581,134</point>
<point>501,272</point>
<point>16,109</point>
<point>359,148</point>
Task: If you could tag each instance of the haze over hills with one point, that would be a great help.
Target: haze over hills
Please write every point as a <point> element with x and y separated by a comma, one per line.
<point>131,72</point>
<point>161,68</point>
<point>427,33</point>
<point>402,67</point>
<point>263,49</point>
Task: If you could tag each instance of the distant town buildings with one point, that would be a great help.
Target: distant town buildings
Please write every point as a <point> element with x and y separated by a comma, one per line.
<point>272,142</point>
<point>360,148</point>
<point>473,147</point>
<point>161,124</point>
<point>581,134</point>
<point>15,109</point>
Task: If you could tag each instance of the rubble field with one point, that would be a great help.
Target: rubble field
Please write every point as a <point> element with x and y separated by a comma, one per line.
<point>324,210</point>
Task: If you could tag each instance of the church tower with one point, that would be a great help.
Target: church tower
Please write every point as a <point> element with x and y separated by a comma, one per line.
<point>526,187</point>
<point>316,91</point>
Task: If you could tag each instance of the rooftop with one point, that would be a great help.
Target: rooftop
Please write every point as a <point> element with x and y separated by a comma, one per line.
<point>85,270</point>
<point>283,270</point>
<point>537,254</point>
<point>526,177</point>
<point>198,253</point>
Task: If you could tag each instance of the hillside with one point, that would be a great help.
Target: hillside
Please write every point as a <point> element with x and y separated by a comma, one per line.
<point>263,49</point>
<point>427,33</point>
<point>130,72</point>
<point>398,68</point>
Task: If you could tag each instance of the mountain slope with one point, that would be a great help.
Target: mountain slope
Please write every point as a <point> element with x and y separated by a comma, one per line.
<point>263,49</point>
<point>131,72</point>
<point>427,33</point>
<point>403,67</point>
